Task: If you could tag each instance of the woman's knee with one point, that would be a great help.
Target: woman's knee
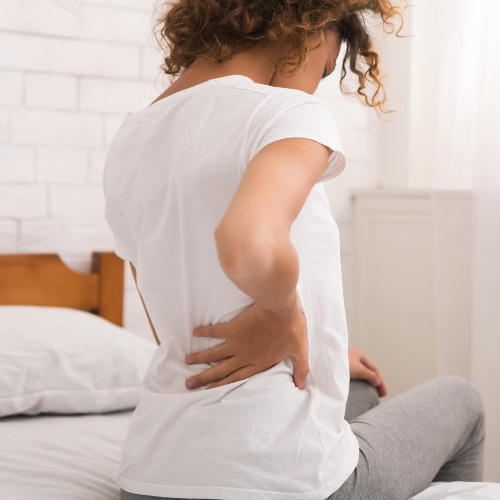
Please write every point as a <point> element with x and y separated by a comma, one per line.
<point>362,398</point>
<point>363,390</point>
<point>466,392</point>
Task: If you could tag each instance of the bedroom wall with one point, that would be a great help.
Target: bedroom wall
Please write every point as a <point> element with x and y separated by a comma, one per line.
<point>69,71</point>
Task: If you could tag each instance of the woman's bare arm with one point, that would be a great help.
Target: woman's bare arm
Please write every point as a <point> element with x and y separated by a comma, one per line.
<point>255,251</point>
<point>252,238</point>
<point>144,305</point>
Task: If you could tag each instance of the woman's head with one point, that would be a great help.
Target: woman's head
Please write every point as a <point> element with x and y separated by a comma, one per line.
<point>220,29</point>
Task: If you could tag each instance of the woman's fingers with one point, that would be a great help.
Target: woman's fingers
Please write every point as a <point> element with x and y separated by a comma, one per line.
<point>219,330</point>
<point>242,373</point>
<point>370,376</point>
<point>381,388</point>
<point>213,374</point>
<point>211,355</point>
<point>382,391</point>
<point>367,362</point>
<point>300,369</point>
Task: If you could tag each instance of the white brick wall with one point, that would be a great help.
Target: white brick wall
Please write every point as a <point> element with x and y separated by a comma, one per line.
<point>3,126</point>
<point>55,128</point>
<point>69,71</point>
<point>11,88</point>
<point>62,166</point>
<point>50,91</point>
<point>17,201</point>
<point>112,96</point>
<point>20,156</point>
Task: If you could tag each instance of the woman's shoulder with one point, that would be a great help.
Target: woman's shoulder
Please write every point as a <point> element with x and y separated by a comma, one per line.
<point>270,92</point>
<point>285,94</point>
<point>292,102</point>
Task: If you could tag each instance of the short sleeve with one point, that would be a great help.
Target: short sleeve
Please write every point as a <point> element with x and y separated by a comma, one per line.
<point>293,113</point>
<point>115,214</point>
<point>122,251</point>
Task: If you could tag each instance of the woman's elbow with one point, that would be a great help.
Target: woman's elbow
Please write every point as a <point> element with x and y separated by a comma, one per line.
<point>243,255</point>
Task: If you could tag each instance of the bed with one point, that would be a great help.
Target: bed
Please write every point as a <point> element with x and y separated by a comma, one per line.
<point>73,455</point>
<point>61,456</point>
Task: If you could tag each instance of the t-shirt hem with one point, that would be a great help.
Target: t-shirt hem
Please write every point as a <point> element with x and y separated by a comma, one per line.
<point>222,493</point>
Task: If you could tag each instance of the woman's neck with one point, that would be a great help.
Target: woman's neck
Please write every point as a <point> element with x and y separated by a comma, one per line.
<point>258,64</point>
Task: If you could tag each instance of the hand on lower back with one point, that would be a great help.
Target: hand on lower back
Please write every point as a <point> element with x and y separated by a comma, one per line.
<point>257,339</point>
<point>360,367</point>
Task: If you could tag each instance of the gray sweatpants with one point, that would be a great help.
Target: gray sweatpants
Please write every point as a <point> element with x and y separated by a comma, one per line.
<point>433,432</point>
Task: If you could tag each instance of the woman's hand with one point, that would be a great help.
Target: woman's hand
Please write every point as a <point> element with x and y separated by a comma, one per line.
<point>257,339</point>
<point>360,367</point>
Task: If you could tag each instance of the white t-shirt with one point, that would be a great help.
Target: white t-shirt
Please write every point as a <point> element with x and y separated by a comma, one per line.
<point>171,171</point>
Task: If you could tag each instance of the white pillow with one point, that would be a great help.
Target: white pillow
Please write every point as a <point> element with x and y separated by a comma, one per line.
<point>61,360</point>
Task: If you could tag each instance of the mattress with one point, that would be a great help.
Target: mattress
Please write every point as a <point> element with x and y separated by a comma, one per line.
<point>73,457</point>
<point>70,457</point>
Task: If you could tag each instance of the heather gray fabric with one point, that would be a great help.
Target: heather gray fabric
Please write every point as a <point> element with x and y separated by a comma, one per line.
<point>433,432</point>
<point>362,397</point>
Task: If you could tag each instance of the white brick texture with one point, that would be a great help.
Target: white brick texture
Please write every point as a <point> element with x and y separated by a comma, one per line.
<point>52,128</point>
<point>51,91</point>
<point>150,66</point>
<point>76,201</point>
<point>97,160</point>
<point>40,16</point>
<point>75,235</point>
<point>146,5</point>
<point>22,51</point>
<point>3,125</point>
<point>11,88</point>
<point>93,58</point>
<point>16,164</point>
<point>103,23</point>
<point>18,201</point>
<point>61,166</point>
<point>8,236</point>
<point>115,96</point>
<point>112,125</point>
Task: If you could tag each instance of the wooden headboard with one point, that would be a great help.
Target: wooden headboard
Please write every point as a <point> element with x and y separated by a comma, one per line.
<point>44,280</point>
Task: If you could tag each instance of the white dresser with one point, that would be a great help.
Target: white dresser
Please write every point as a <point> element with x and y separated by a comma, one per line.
<point>412,283</point>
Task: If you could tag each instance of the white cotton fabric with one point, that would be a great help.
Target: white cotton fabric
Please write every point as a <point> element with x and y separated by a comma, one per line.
<point>171,171</point>
<point>460,490</point>
<point>61,457</point>
<point>62,360</point>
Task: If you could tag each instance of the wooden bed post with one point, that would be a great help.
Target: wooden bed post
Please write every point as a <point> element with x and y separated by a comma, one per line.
<point>45,280</point>
<point>110,269</point>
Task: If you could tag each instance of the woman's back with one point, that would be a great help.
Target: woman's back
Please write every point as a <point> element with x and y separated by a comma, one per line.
<point>170,174</point>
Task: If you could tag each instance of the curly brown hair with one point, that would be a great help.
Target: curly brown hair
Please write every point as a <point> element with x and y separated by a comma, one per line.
<point>220,29</point>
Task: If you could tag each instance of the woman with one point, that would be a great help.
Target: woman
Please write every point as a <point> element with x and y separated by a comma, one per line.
<point>214,195</point>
